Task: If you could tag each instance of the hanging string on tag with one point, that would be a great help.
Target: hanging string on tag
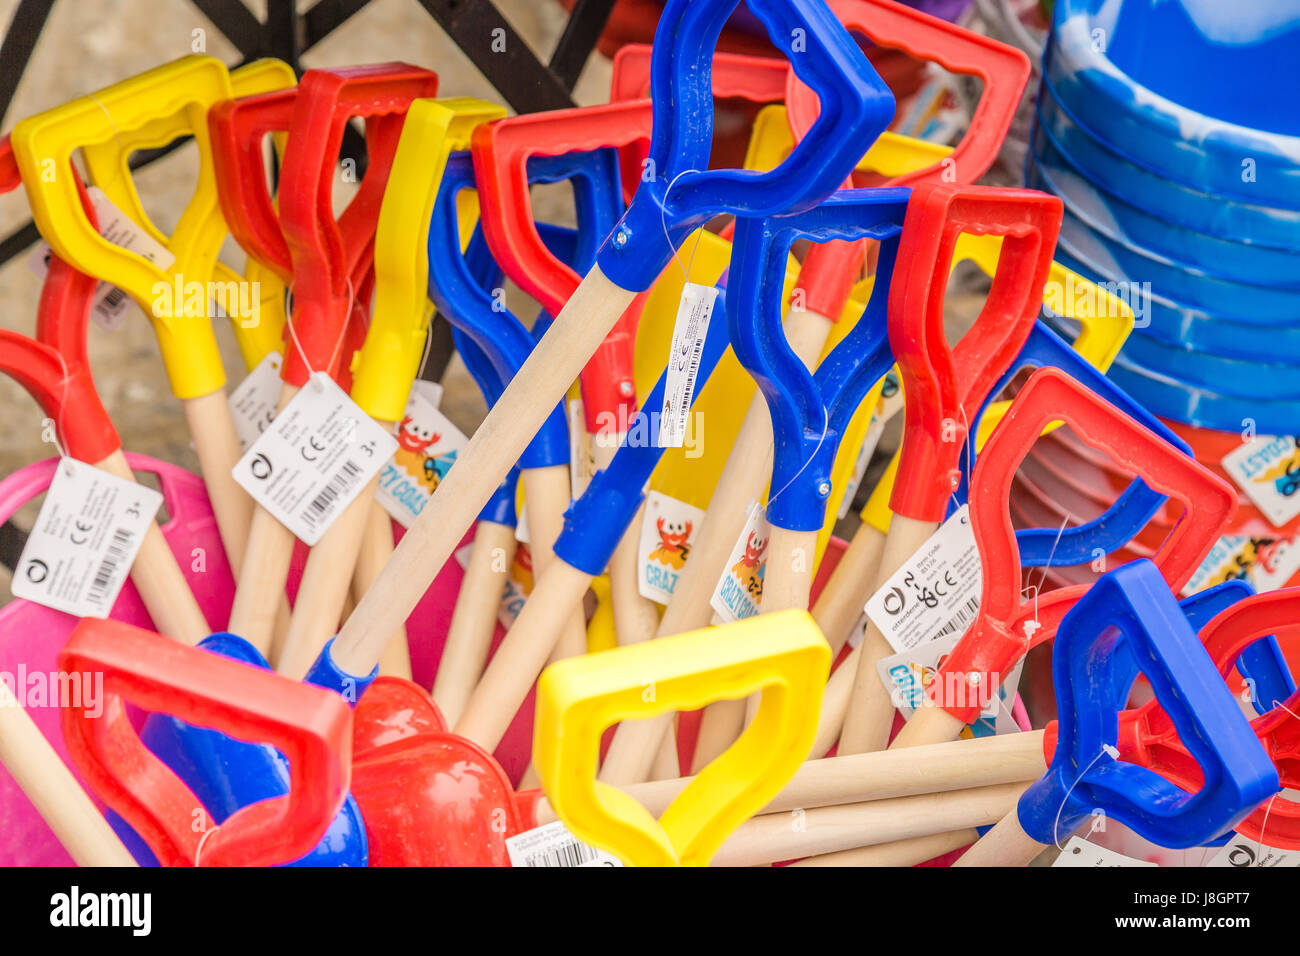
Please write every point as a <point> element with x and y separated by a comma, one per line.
<point>826,424</point>
<point>663,219</point>
<point>65,460</point>
<point>1106,750</point>
<point>338,343</point>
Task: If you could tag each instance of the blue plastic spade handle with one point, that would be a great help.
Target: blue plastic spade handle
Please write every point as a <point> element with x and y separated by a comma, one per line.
<point>1133,605</point>
<point>500,508</point>
<point>227,774</point>
<point>456,282</point>
<point>1261,662</point>
<point>810,411</point>
<point>1130,512</point>
<point>683,194</point>
<point>596,521</point>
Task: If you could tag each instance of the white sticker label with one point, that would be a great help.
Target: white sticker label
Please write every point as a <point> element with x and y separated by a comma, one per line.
<point>554,845</point>
<point>739,592</point>
<point>314,458</point>
<point>1243,852</point>
<point>1079,852</point>
<point>667,532</point>
<point>253,403</point>
<point>1267,563</point>
<point>689,331</point>
<point>582,456</point>
<point>1268,471</point>
<point>908,676</point>
<point>431,392</point>
<point>117,227</point>
<point>937,590</point>
<point>84,541</point>
<point>427,446</point>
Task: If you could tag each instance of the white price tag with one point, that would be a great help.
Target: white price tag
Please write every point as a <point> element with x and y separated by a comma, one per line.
<point>1079,852</point>
<point>554,845</point>
<point>937,590</point>
<point>254,401</point>
<point>667,531</point>
<point>1243,852</point>
<point>1268,471</point>
<point>689,331</point>
<point>739,592</point>
<point>427,446</point>
<point>314,458</point>
<point>85,540</point>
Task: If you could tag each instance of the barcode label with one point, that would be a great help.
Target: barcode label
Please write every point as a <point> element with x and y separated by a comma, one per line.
<point>339,484</point>
<point>118,549</point>
<point>553,845</point>
<point>689,332</point>
<point>934,589</point>
<point>314,458</point>
<point>961,620</point>
<point>85,540</point>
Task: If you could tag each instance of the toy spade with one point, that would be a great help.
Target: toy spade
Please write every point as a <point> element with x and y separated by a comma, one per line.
<point>1104,321</point>
<point>159,105</point>
<point>809,412</point>
<point>1234,637</point>
<point>593,526</point>
<point>462,287</point>
<point>326,263</point>
<point>1130,611</point>
<point>239,803</point>
<point>661,215</point>
<point>783,656</point>
<point>1045,544</point>
<point>824,283</point>
<point>506,153</point>
<point>1007,626</point>
<point>54,368</point>
<point>943,386</point>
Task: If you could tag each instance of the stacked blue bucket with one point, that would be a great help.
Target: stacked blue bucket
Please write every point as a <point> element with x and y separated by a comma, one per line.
<point>1171,130</point>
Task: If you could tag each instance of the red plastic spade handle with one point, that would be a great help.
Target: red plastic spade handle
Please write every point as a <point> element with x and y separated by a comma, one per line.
<point>501,151</point>
<point>324,251</point>
<point>321,257</point>
<point>999,637</point>
<point>830,268</point>
<point>311,726</point>
<point>237,129</point>
<point>54,366</point>
<point>1002,69</point>
<point>943,387</point>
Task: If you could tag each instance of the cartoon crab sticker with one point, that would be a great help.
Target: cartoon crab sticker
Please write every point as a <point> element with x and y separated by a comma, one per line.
<point>749,569</point>
<point>674,544</point>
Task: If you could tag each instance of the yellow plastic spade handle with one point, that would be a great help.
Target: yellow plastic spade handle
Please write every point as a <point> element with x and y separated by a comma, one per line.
<point>386,365</point>
<point>782,655</point>
<point>43,146</point>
